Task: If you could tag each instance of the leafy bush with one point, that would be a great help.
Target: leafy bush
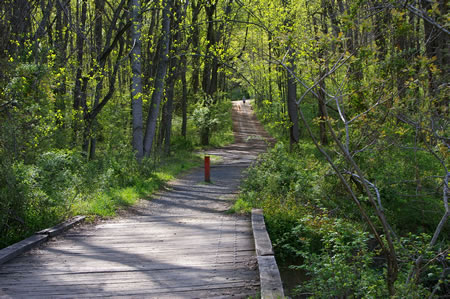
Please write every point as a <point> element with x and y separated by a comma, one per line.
<point>213,118</point>
<point>343,265</point>
<point>29,117</point>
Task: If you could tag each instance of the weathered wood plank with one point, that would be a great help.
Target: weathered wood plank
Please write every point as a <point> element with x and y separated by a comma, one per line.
<point>269,276</point>
<point>240,273</point>
<point>165,233</point>
<point>109,290</point>
<point>135,253</point>
<point>155,280</point>
<point>263,244</point>
<point>58,229</point>
<point>38,272</point>
<point>216,293</point>
<point>169,237</point>
<point>16,249</point>
<point>79,262</point>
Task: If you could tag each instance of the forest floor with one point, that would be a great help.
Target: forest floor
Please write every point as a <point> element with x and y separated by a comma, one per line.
<point>179,243</point>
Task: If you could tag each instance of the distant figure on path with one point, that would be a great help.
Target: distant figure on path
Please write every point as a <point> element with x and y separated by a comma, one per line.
<point>243,99</point>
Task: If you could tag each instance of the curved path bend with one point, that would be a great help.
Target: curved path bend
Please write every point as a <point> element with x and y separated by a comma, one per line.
<point>180,244</point>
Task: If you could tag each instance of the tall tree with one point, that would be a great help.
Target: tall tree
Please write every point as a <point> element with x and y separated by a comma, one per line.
<point>174,73</point>
<point>79,95</point>
<point>294,134</point>
<point>136,82</point>
<point>159,80</point>
<point>194,39</point>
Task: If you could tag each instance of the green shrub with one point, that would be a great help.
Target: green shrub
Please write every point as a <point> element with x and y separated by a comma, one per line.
<point>342,265</point>
<point>214,118</point>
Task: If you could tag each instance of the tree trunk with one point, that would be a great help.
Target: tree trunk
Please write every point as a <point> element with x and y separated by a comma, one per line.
<point>152,49</point>
<point>136,80</point>
<point>184,99</point>
<point>175,45</point>
<point>211,41</point>
<point>380,28</point>
<point>99,9</point>
<point>322,72</point>
<point>42,28</point>
<point>294,135</point>
<point>61,46</point>
<point>322,107</point>
<point>204,136</point>
<point>270,67</point>
<point>195,38</point>
<point>159,81</point>
<point>168,113</point>
<point>77,92</point>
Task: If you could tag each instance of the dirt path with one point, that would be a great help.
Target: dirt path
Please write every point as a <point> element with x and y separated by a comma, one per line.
<point>180,244</point>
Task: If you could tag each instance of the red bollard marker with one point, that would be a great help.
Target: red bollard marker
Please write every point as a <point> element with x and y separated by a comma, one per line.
<point>207,162</point>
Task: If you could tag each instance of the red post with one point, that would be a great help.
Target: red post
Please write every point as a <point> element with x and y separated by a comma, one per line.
<point>207,162</point>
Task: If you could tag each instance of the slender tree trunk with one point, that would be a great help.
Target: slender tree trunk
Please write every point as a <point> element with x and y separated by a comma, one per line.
<point>168,116</point>
<point>322,107</point>
<point>78,88</point>
<point>211,41</point>
<point>176,42</point>
<point>323,68</point>
<point>207,82</point>
<point>152,49</point>
<point>61,46</point>
<point>41,30</point>
<point>380,28</point>
<point>99,9</point>
<point>136,80</point>
<point>294,135</point>
<point>159,80</point>
<point>270,67</point>
<point>184,99</point>
<point>195,37</point>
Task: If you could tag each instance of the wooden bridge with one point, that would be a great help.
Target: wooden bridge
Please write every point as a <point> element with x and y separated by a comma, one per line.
<point>181,244</point>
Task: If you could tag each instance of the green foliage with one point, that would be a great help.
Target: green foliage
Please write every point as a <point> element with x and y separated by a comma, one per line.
<point>346,264</point>
<point>214,118</point>
<point>29,118</point>
<point>285,186</point>
<point>343,265</point>
<point>313,224</point>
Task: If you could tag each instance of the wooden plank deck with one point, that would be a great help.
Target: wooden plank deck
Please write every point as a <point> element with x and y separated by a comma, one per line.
<point>191,257</point>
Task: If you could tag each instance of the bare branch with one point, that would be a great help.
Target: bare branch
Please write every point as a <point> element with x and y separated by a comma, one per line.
<point>421,14</point>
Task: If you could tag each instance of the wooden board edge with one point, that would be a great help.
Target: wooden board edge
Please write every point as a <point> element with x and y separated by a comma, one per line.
<point>10,252</point>
<point>263,245</point>
<point>58,229</point>
<point>270,279</point>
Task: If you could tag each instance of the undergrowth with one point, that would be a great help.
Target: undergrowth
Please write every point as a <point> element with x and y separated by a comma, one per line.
<point>314,226</point>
